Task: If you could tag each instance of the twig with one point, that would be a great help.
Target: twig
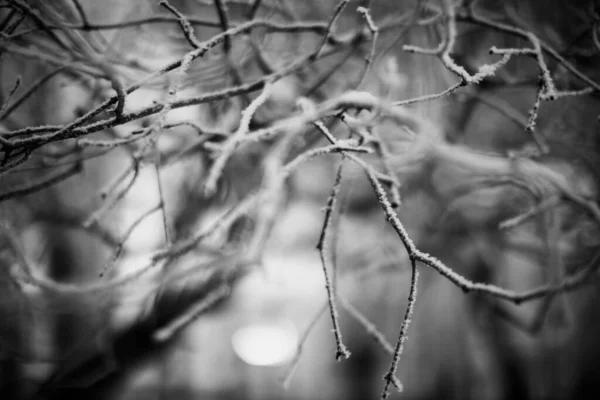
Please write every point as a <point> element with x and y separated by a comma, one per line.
<point>84,21</point>
<point>42,184</point>
<point>120,245</point>
<point>162,204</point>
<point>8,98</point>
<point>549,92</point>
<point>27,274</point>
<point>287,378</point>
<point>471,16</point>
<point>7,110</point>
<point>323,248</point>
<point>184,245</point>
<point>186,26</point>
<point>368,326</point>
<point>451,33</point>
<point>335,68</point>
<point>465,284</point>
<point>385,157</point>
<point>532,120</point>
<point>231,143</point>
<point>26,9</point>
<point>544,205</point>
<point>5,26</point>
<point>328,32</point>
<point>390,377</point>
<point>165,333</point>
<point>271,195</point>
<point>339,147</point>
<point>429,97</point>
<point>223,14</point>
<point>114,196</point>
<point>255,7</point>
<point>245,205</point>
<point>6,166</point>
<point>115,25</point>
<point>365,13</point>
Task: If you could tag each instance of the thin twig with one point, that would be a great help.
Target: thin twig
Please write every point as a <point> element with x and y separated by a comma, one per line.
<point>7,110</point>
<point>328,32</point>
<point>84,20</point>
<point>518,220</point>
<point>231,143</point>
<point>9,97</point>
<point>365,13</point>
<point>255,7</point>
<point>223,14</point>
<point>532,120</point>
<point>368,326</point>
<point>323,248</point>
<point>118,247</point>
<point>287,378</point>
<point>471,16</point>
<point>186,26</point>
<point>165,333</point>
<point>42,184</point>
<point>390,377</point>
<point>569,283</point>
<point>114,196</point>
<point>163,205</point>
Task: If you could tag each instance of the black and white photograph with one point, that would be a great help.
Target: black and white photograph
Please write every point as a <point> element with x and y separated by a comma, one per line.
<point>299,199</point>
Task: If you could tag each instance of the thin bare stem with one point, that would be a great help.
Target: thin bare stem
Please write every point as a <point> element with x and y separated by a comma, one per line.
<point>255,7</point>
<point>165,333</point>
<point>8,109</point>
<point>223,14</point>
<point>471,16</point>
<point>120,246</point>
<point>84,20</point>
<point>390,377</point>
<point>323,248</point>
<point>328,32</point>
<point>287,378</point>
<point>9,97</point>
<point>113,197</point>
<point>163,205</point>
<point>365,13</point>
<point>42,184</point>
<point>28,274</point>
<point>186,26</point>
<point>368,326</point>
<point>230,145</point>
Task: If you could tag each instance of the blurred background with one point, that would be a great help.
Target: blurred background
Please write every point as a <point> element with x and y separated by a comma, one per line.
<point>263,331</point>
